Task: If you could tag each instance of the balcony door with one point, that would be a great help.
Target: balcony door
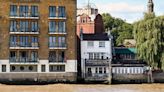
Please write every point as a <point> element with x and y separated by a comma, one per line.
<point>23,56</point>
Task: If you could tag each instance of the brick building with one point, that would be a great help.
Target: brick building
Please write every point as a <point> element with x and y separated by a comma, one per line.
<point>87,19</point>
<point>38,40</point>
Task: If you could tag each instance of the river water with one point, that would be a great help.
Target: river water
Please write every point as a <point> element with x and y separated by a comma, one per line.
<point>83,88</point>
<point>122,88</point>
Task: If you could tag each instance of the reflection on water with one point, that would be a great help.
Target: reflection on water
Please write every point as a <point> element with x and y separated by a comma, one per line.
<point>122,88</point>
<point>83,88</point>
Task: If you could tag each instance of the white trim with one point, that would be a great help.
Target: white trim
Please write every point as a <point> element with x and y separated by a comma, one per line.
<point>60,33</point>
<point>57,47</point>
<point>22,63</point>
<point>17,17</point>
<point>61,18</point>
<point>24,47</point>
<point>57,63</point>
<point>24,32</point>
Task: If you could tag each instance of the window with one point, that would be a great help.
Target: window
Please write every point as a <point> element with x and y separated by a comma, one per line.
<point>96,70</point>
<point>24,41</point>
<point>24,26</point>
<point>90,44</point>
<point>101,44</point>
<point>21,68</point>
<point>61,42</point>
<point>91,56</point>
<point>34,56</point>
<point>3,68</point>
<point>13,26</point>
<point>61,27</point>
<point>34,11</point>
<point>23,11</point>
<point>56,56</point>
<point>89,71</point>
<point>34,41</point>
<point>12,56</point>
<point>12,68</point>
<point>52,11</point>
<point>61,56</point>
<point>57,41</point>
<point>52,41</point>
<point>100,70</point>
<point>34,26</point>
<point>43,67</point>
<point>61,11</point>
<point>57,68</point>
<point>23,56</point>
<point>104,70</point>
<point>52,56</point>
<point>96,55</point>
<point>13,10</point>
<point>13,41</point>
<point>52,26</point>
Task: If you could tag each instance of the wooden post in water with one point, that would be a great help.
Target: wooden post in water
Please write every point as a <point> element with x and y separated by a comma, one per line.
<point>150,76</point>
<point>110,73</point>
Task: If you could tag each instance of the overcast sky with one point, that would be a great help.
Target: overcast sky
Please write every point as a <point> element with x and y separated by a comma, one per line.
<point>129,10</point>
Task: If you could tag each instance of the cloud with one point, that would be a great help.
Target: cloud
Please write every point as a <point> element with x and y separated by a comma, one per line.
<point>120,7</point>
<point>126,11</point>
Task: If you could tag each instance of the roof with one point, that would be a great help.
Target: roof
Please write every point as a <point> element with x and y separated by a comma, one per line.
<point>123,50</point>
<point>129,43</point>
<point>96,37</point>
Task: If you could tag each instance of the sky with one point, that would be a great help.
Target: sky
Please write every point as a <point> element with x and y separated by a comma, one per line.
<point>128,10</point>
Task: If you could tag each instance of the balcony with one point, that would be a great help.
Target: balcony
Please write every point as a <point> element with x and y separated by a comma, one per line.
<point>23,46</point>
<point>53,60</point>
<point>96,77</point>
<point>57,18</point>
<point>23,60</point>
<point>97,62</point>
<point>25,16</point>
<point>35,32</point>
<point>53,46</point>
<point>57,33</point>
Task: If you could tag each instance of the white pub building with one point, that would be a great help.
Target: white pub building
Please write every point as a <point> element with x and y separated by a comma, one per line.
<point>96,57</point>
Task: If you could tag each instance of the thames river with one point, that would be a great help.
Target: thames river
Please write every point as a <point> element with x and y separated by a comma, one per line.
<point>83,88</point>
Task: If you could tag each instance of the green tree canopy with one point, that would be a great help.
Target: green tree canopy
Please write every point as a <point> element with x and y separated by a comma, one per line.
<point>119,28</point>
<point>149,36</point>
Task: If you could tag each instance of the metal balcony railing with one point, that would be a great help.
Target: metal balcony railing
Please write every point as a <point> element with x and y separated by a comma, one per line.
<point>23,30</point>
<point>56,60</point>
<point>25,15</point>
<point>57,32</point>
<point>23,60</point>
<point>24,45</point>
<point>97,62</point>
<point>60,46</point>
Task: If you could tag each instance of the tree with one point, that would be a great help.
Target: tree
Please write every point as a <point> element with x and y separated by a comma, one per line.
<point>119,28</point>
<point>149,36</point>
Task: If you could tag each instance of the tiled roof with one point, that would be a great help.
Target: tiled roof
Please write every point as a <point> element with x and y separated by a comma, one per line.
<point>96,37</point>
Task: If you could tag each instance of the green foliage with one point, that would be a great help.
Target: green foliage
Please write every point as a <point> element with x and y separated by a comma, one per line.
<point>149,35</point>
<point>119,28</point>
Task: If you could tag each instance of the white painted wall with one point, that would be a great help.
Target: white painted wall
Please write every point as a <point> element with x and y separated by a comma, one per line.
<point>85,50</point>
<point>70,65</point>
<point>43,62</point>
<point>5,62</point>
